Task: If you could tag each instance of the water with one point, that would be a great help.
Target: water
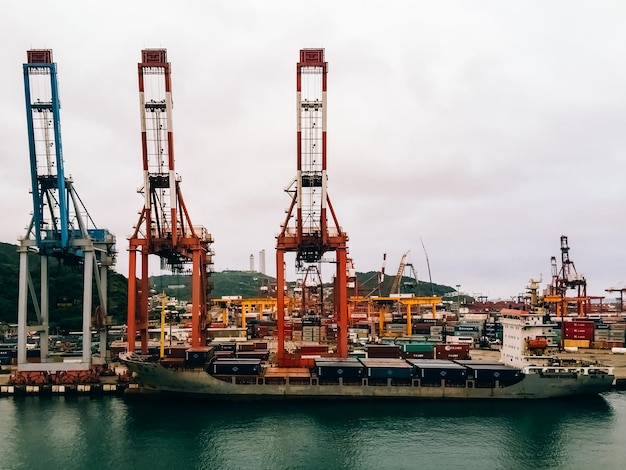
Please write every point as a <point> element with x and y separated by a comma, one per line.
<point>114,433</point>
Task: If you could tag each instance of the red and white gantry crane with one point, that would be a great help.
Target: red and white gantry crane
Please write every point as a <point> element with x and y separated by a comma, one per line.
<point>164,227</point>
<point>309,232</point>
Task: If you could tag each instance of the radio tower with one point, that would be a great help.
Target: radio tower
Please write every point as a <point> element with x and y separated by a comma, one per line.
<point>164,227</point>
<point>60,227</point>
<point>309,234</point>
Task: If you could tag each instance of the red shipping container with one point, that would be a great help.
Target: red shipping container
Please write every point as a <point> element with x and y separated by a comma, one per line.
<point>572,335</point>
<point>421,328</point>
<point>452,351</point>
<point>309,349</point>
<point>578,324</point>
<point>382,351</point>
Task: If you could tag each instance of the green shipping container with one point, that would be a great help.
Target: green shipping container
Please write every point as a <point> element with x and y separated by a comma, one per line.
<point>419,347</point>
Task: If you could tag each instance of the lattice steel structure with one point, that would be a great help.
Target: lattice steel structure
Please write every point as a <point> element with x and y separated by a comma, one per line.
<point>309,233</point>
<point>164,228</point>
<point>60,227</point>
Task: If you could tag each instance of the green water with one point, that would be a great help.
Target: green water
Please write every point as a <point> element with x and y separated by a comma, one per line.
<point>113,433</point>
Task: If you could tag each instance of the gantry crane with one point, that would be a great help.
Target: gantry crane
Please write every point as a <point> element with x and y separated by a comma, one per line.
<point>554,279</point>
<point>621,291</point>
<point>309,233</point>
<point>164,228</point>
<point>60,228</point>
<point>564,279</point>
<point>570,279</point>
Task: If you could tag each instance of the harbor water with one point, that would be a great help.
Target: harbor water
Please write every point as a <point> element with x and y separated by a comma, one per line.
<point>109,432</point>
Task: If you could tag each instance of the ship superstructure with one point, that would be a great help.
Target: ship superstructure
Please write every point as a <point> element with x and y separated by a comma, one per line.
<point>527,338</point>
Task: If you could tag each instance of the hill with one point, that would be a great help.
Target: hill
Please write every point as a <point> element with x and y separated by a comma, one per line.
<point>66,291</point>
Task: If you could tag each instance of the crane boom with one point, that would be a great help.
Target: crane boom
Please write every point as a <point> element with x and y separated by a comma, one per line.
<point>395,286</point>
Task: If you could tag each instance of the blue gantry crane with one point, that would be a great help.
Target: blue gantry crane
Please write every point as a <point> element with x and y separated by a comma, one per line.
<point>60,227</point>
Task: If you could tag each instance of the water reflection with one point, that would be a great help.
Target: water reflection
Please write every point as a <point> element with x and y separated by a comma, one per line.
<point>112,433</point>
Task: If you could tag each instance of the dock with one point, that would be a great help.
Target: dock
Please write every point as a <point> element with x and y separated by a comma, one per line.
<point>105,386</point>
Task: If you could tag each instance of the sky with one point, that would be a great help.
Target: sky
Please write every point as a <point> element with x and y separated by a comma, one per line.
<point>473,134</point>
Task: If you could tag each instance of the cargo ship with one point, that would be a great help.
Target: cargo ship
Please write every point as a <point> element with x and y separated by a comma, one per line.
<point>527,370</point>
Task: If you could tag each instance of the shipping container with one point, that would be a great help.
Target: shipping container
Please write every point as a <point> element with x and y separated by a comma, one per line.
<point>224,366</point>
<point>452,351</point>
<point>486,374</point>
<point>231,346</point>
<point>576,343</point>
<point>418,347</point>
<point>387,368</point>
<point>199,356</point>
<point>224,354</point>
<point>262,354</point>
<point>309,349</point>
<point>424,328</point>
<point>433,371</point>
<point>382,350</point>
<point>176,351</point>
<point>418,355</point>
<point>466,328</point>
<point>333,368</point>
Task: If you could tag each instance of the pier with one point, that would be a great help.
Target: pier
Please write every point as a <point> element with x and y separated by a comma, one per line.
<point>106,386</point>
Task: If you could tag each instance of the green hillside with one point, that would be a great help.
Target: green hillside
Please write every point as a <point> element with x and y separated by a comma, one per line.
<point>368,285</point>
<point>66,291</point>
<point>244,283</point>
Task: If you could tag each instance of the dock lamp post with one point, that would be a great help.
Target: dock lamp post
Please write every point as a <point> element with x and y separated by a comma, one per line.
<point>458,297</point>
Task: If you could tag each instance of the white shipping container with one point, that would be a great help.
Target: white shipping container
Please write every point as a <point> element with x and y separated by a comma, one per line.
<point>475,316</point>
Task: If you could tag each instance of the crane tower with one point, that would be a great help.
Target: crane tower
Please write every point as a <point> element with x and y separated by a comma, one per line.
<point>164,227</point>
<point>570,279</point>
<point>308,233</point>
<point>60,227</point>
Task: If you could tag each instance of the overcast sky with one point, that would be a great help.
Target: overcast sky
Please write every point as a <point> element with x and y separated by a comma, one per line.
<point>486,129</point>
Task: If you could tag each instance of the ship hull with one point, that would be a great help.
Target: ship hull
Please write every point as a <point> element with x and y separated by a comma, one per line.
<point>152,378</point>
